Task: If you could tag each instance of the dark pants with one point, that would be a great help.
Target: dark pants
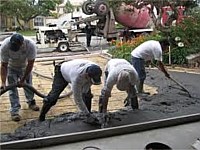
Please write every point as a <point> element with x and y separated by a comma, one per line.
<point>88,38</point>
<point>139,65</point>
<point>59,84</point>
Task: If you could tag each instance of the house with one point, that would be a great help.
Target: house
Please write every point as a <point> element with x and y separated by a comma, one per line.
<point>10,23</point>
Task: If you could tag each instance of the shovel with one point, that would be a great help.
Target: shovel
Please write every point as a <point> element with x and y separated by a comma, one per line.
<point>184,89</point>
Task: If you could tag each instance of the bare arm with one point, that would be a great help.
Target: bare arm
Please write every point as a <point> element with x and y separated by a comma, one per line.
<point>28,70</point>
<point>4,67</point>
<point>162,68</point>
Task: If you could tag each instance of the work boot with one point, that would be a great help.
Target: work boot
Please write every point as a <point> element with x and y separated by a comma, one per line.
<point>15,117</point>
<point>45,109</point>
<point>140,88</point>
<point>32,105</point>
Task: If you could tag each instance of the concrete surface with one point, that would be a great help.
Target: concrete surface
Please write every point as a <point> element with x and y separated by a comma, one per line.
<point>180,137</point>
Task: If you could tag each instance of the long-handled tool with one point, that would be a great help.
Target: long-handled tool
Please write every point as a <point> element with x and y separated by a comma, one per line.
<point>184,89</point>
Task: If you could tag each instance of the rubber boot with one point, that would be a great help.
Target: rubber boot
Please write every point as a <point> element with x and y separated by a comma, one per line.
<point>140,88</point>
<point>45,109</point>
<point>134,103</point>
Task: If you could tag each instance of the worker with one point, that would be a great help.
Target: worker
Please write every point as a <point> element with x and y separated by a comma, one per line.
<point>121,73</point>
<point>82,74</point>
<point>148,51</point>
<point>88,31</point>
<point>18,55</point>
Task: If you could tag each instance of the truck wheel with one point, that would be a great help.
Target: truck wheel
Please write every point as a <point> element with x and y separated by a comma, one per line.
<point>101,8</point>
<point>63,47</point>
<point>88,8</point>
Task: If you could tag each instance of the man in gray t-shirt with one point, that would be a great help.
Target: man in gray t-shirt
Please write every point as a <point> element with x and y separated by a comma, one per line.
<point>17,59</point>
<point>121,73</point>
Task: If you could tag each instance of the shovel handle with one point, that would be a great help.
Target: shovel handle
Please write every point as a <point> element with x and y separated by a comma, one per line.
<point>180,86</point>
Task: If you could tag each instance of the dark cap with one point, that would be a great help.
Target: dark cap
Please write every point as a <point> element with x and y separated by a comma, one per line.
<point>164,42</point>
<point>16,41</point>
<point>94,73</point>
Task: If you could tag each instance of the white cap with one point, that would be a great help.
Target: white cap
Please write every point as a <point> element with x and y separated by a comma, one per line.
<point>123,80</point>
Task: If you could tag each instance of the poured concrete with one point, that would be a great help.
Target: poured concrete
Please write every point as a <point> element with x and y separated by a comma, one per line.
<point>170,101</point>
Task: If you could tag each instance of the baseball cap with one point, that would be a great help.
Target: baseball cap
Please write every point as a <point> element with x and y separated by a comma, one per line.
<point>16,41</point>
<point>94,73</point>
<point>123,81</point>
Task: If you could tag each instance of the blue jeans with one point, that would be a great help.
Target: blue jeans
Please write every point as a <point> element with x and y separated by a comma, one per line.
<point>139,65</point>
<point>13,76</point>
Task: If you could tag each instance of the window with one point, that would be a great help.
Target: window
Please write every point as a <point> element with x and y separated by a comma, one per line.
<point>39,21</point>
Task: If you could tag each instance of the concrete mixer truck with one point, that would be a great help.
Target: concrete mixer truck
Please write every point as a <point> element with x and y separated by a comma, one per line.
<point>136,16</point>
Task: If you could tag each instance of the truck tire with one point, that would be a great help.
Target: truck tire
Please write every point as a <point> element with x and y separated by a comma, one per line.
<point>87,8</point>
<point>63,47</point>
<point>101,8</point>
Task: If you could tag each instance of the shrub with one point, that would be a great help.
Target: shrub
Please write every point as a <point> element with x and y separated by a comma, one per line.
<point>124,49</point>
<point>189,32</point>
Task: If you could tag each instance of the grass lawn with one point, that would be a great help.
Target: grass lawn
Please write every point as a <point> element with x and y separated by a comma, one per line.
<point>28,32</point>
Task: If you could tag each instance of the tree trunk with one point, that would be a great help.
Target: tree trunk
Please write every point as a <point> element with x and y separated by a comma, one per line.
<point>26,27</point>
<point>20,25</point>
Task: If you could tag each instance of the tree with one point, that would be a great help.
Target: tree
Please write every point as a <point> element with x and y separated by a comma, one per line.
<point>69,7</point>
<point>27,10</point>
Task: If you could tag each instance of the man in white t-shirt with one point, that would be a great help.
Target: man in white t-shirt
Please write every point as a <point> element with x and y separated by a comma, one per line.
<point>82,74</point>
<point>18,55</point>
<point>121,73</point>
<point>148,51</point>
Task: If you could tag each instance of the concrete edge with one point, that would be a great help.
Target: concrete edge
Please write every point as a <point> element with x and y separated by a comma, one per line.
<point>99,133</point>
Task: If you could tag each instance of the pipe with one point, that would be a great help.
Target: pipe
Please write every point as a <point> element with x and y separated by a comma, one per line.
<point>9,87</point>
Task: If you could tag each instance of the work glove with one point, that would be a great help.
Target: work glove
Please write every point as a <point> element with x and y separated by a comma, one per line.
<point>3,86</point>
<point>21,83</point>
<point>104,120</point>
<point>167,75</point>
<point>91,119</point>
<point>126,102</point>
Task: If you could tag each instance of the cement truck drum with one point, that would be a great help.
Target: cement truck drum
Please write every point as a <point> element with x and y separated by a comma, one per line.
<point>101,8</point>
<point>88,7</point>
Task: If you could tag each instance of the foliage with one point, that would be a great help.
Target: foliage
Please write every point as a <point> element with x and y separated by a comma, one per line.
<point>189,32</point>
<point>123,49</point>
<point>26,10</point>
<point>69,7</point>
<point>27,32</point>
<point>157,3</point>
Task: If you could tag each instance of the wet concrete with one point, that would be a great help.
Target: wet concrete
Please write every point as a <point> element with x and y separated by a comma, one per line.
<point>170,101</point>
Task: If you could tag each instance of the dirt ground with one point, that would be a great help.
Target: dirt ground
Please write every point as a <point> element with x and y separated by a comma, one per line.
<point>166,100</point>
